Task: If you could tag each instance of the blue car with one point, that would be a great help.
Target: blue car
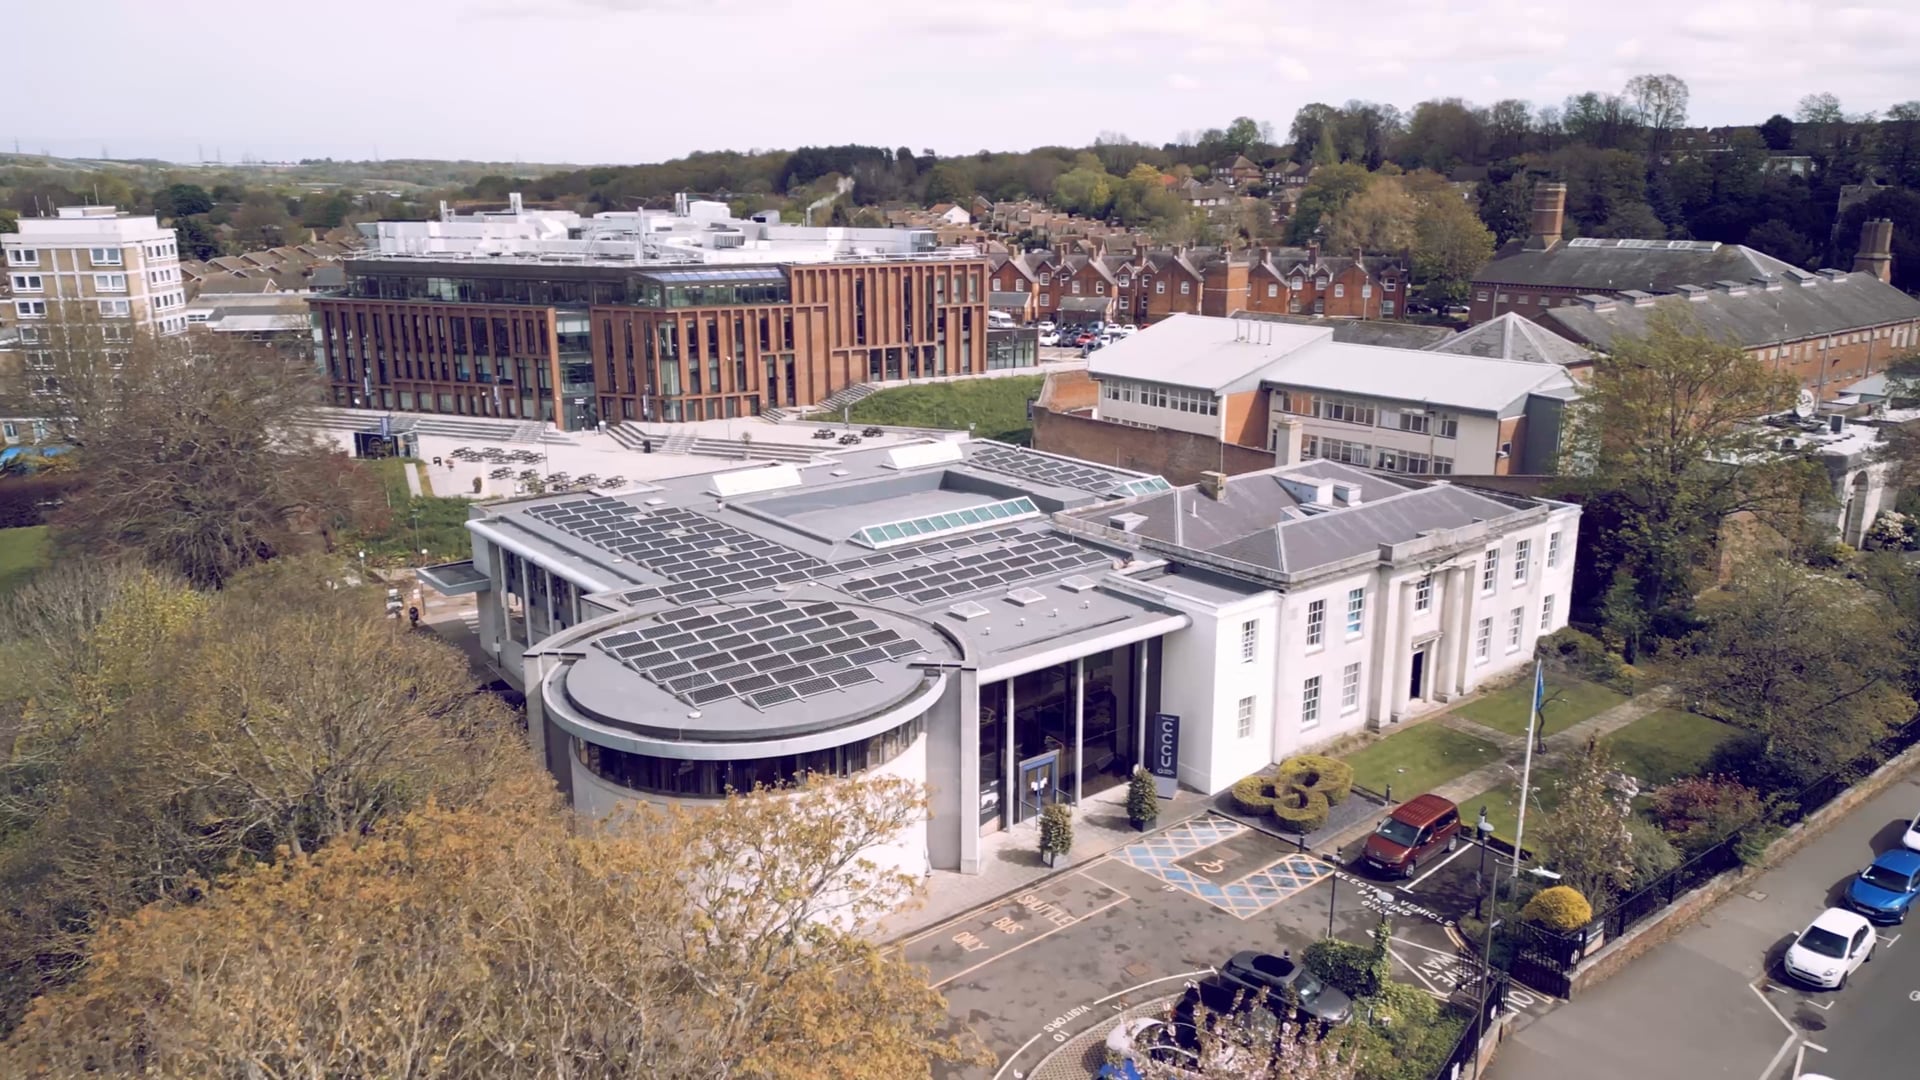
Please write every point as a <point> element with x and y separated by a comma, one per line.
<point>1886,888</point>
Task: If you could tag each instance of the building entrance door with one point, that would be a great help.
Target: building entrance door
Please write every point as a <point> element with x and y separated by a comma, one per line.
<point>1039,780</point>
<point>1417,679</point>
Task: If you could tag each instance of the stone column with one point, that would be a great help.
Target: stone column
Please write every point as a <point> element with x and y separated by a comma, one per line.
<point>1446,662</point>
<point>970,771</point>
<point>1386,654</point>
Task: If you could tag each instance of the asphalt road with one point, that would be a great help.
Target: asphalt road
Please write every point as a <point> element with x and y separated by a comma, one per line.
<point>1712,1002</point>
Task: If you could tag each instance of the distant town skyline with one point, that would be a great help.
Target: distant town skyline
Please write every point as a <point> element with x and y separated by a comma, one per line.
<point>619,81</point>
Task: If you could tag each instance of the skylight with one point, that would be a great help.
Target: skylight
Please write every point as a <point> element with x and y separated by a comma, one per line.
<point>901,532</point>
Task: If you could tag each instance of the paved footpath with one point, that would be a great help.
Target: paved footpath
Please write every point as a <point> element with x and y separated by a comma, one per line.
<point>1711,1003</point>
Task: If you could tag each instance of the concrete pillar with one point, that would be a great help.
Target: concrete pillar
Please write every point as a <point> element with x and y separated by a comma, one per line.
<point>1387,661</point>
<point>1079,723</point>
<point>970,771</point>
<point>1010,801</point>
<point>1140,707</point>
<point>1446,661</point>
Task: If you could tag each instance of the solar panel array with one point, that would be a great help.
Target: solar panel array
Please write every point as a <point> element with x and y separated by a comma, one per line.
<point>1035,555</point>
<point>765,654</point>
<point>1047,470</point>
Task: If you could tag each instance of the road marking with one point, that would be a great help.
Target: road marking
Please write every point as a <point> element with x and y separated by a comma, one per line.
<point>1813,1046</point>
<point>1889,942</point>
<point>1015,1056</point>
<point>1457,852</point>
<point>1078,871</point>
<point>1793,1033</point>
<point>1042,936</point>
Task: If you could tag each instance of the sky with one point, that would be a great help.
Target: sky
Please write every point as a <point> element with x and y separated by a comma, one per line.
<point>625,81</point>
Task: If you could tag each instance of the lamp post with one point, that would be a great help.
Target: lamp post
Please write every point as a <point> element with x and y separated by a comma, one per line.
<point>1484,829</point>
<point>1480,1013</point>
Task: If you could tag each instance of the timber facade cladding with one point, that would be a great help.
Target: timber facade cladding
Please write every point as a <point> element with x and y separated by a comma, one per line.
<point>653,344</point>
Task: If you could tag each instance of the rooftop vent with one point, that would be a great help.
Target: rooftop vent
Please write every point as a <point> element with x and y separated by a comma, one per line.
<point>1692,292</point>
<point>1026,597</point>
<point>1639,299</point>
<point>1833,275</point>
<point>968,610</point>
<point>1128,522</point>
<point>920,455</point>
<point>1836,424</point>
<point>1347,493</point>
<point>1076,583</point>
<point>656,501</point>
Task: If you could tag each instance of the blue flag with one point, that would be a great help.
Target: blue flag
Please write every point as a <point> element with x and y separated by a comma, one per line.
<point>1539,686</point>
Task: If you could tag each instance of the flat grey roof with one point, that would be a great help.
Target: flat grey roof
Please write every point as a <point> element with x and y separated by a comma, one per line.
<point>1200,351</point>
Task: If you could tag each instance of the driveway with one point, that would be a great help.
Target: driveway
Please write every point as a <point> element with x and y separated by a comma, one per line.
<point>1029,972</point>
<point>1711,1002</point>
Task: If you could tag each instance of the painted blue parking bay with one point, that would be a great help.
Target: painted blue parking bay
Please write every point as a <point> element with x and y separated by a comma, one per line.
<point>1239,870</point>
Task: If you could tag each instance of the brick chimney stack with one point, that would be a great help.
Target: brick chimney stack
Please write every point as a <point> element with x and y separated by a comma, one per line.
<point>1549,211</point>
<point>1876,249</point>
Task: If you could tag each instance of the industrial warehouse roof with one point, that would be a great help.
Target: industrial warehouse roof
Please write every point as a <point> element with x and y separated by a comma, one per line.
<point>1617,265</point>
<point>1751,315</point>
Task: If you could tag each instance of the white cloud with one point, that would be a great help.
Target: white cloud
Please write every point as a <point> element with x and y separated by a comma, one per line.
<point>1180,81</point>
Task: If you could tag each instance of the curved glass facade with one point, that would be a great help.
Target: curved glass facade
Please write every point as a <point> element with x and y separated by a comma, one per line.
<point>712,779</point>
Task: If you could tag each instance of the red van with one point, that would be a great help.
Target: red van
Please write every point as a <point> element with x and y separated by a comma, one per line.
<point>1415,830</point>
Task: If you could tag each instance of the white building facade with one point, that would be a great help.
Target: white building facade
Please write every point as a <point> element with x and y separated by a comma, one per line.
<point>116,266</point>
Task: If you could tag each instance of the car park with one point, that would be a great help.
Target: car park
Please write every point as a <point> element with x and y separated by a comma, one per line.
<point>1885,890</point>
<point>1831,948</point>
<point>1417,829</point>
<point>1045,325</point>
<point>1911,838</point>
<point>1284,978</point>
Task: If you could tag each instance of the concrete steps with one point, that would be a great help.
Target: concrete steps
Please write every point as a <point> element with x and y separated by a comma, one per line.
<point>758,451</point>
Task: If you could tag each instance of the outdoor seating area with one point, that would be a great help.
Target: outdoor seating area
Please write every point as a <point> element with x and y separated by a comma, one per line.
<point>493,455</point>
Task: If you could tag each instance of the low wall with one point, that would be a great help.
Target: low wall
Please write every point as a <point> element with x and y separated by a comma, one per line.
<point>1177,455</point>
<point>1618,953</point>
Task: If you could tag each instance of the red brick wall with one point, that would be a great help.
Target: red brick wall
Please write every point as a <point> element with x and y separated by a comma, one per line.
<point>1177,455</point>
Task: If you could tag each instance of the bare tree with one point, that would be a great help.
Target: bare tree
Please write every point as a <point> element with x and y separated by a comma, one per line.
<point>1660,103</point>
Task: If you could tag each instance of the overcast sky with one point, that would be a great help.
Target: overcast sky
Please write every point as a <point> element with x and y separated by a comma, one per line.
<point>645,80</point>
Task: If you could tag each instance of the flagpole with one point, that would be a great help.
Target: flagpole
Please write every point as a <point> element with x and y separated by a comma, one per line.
<point>1526,770</point>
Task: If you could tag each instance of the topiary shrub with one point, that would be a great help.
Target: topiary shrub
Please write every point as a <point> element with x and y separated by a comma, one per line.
<point>1330,777</point>
<point>1255,795</point>
<point>1560,908</point>
<point>1299,810</point>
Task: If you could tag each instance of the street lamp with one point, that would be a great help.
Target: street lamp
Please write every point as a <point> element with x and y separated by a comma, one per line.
<point>1484,829</point>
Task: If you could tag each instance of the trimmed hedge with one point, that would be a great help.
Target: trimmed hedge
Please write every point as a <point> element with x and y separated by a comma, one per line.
<point>1300,810</point>
<point>1256,794</point>
<point>1559,908</point>
<point>1331,777</point>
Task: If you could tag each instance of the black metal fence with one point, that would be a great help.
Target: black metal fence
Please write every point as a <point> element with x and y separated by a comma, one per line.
<point>1488,1003</point>
<point>1545,959</point>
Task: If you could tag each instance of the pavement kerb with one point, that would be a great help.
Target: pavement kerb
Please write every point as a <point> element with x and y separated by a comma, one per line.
<point>1068,1061</point>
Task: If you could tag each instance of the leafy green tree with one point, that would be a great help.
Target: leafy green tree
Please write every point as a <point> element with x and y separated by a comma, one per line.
<point>1587,831</point>
<point>1782,241</point>
<point>1085,191</point>
<point>1309,124</point>
<point>1450,245</point>
<point>1324,197</point>
<point>1777,133</point>
<point>9,220</point>
<point>1506,206</point>
<point>1664,448</point>
<point>197,238</point>
<point>182,200</point>
<point>1241,135</point>
<point>947,184</point>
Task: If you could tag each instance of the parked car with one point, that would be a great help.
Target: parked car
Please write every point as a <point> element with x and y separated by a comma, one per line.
<point>1282,977</point>
<point>1049,339</point>
<point>1045,325</point>
<point>1885,890</point>
<point>1457,309</point>
<point>1416,829</point>
<point>1418,307</point>
<point>1912,838</point>
<point>1831,948</point>
<point>872,432</point>
<point>1084,338</point>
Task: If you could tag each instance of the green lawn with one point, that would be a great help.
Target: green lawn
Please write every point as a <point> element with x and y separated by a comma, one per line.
<point>997,408</point>
<point>1569,701</point>
<point>22,551</point>
<point>1665,744</point>
<point>436,523</point>
<point>1503,807</point>
<point>1419,759</point>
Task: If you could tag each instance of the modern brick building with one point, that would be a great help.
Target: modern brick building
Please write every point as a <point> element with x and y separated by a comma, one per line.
<point>645,316</point>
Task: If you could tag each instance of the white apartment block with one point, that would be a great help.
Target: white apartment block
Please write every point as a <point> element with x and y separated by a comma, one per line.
<point>1295,391</point>
<point>114,265</point>
<point>1326,601</point>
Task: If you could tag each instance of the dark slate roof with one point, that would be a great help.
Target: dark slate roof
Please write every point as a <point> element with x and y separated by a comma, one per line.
<point>1617,265</point>
<point>1513,337</point>
<point>1757,316</point>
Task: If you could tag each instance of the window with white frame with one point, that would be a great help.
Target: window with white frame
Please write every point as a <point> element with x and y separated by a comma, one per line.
<point>1273,290</point>
<point>1350,687</point>
<point>1366,292</point>
<point>1481,295</point>
<point>1442,466</point>
<point>1353,453</point>
<point>115,308</point>
<point>1244,725</point>
<point>1045,277</point>
<point>1546,614</point>
<point>1448,426</point>
<point>1388,285</point>
<point>1249,640</point>
<point>1386,307</point>
<point>1483,640</point>
<point>1294,284</point>
<point>1356,611</point>
<point>104,256</point>
<point>1513,628</point>
<point>1316,623</point>
<point>1522,555</point>
<point>1339,290</point>
<point>1186,288</point>
<point>1310,703</point>
<point>1490,571</point>
<point>1423,593</point>
<point>28,283</point>
<point>1553,550</point>
<point>24,257</point>
<point>1160,287</point>
<point>110,283</point>
<point>30,309</point>
<point>1415,420</point>
<point>1076,288</point>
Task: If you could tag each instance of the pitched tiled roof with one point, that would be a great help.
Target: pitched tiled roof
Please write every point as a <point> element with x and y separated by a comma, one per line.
<point>1749,315</point>
<point>1617,265</point>
<point>1514,337</point>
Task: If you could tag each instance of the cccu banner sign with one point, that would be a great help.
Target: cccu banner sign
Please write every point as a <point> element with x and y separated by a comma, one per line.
<point>1163,754</point>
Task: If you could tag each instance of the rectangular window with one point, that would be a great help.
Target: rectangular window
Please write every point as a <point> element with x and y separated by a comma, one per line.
<point>1356,611</point>
<point>1350,687</point>
<point>1249,640</point>
<point>1316,623</point>
<point>24,257</point>
<point>1490,571</point>
<point>1386,307</point>
<point>1244,727</point>
<point>1272,290</point>
<point>1546,614</point>
<point>1449,427</point>
<point>1186,288</point>
<point>1553,550</point>
<point>1483,640</point>
<point>104,256</point>
<point>1076,288</point>
<point>1513,628</point>
<point>1160,287</point>
<point>1423,593</point>
<point>1310,703</point>
<point>115,308</point>
<point>1522,554</point>
<point>1366,292</point>
<point>1481,295</point>
<point>110,282</point>
<point>27,283</point>
<point>30,309</point>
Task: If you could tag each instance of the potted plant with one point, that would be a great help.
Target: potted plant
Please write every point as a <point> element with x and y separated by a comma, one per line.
<point>1056,832</point>
<point>1143,801</point>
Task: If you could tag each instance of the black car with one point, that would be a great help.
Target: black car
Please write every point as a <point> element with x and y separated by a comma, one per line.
<point>872,432</point>
<point>1284,978</point>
